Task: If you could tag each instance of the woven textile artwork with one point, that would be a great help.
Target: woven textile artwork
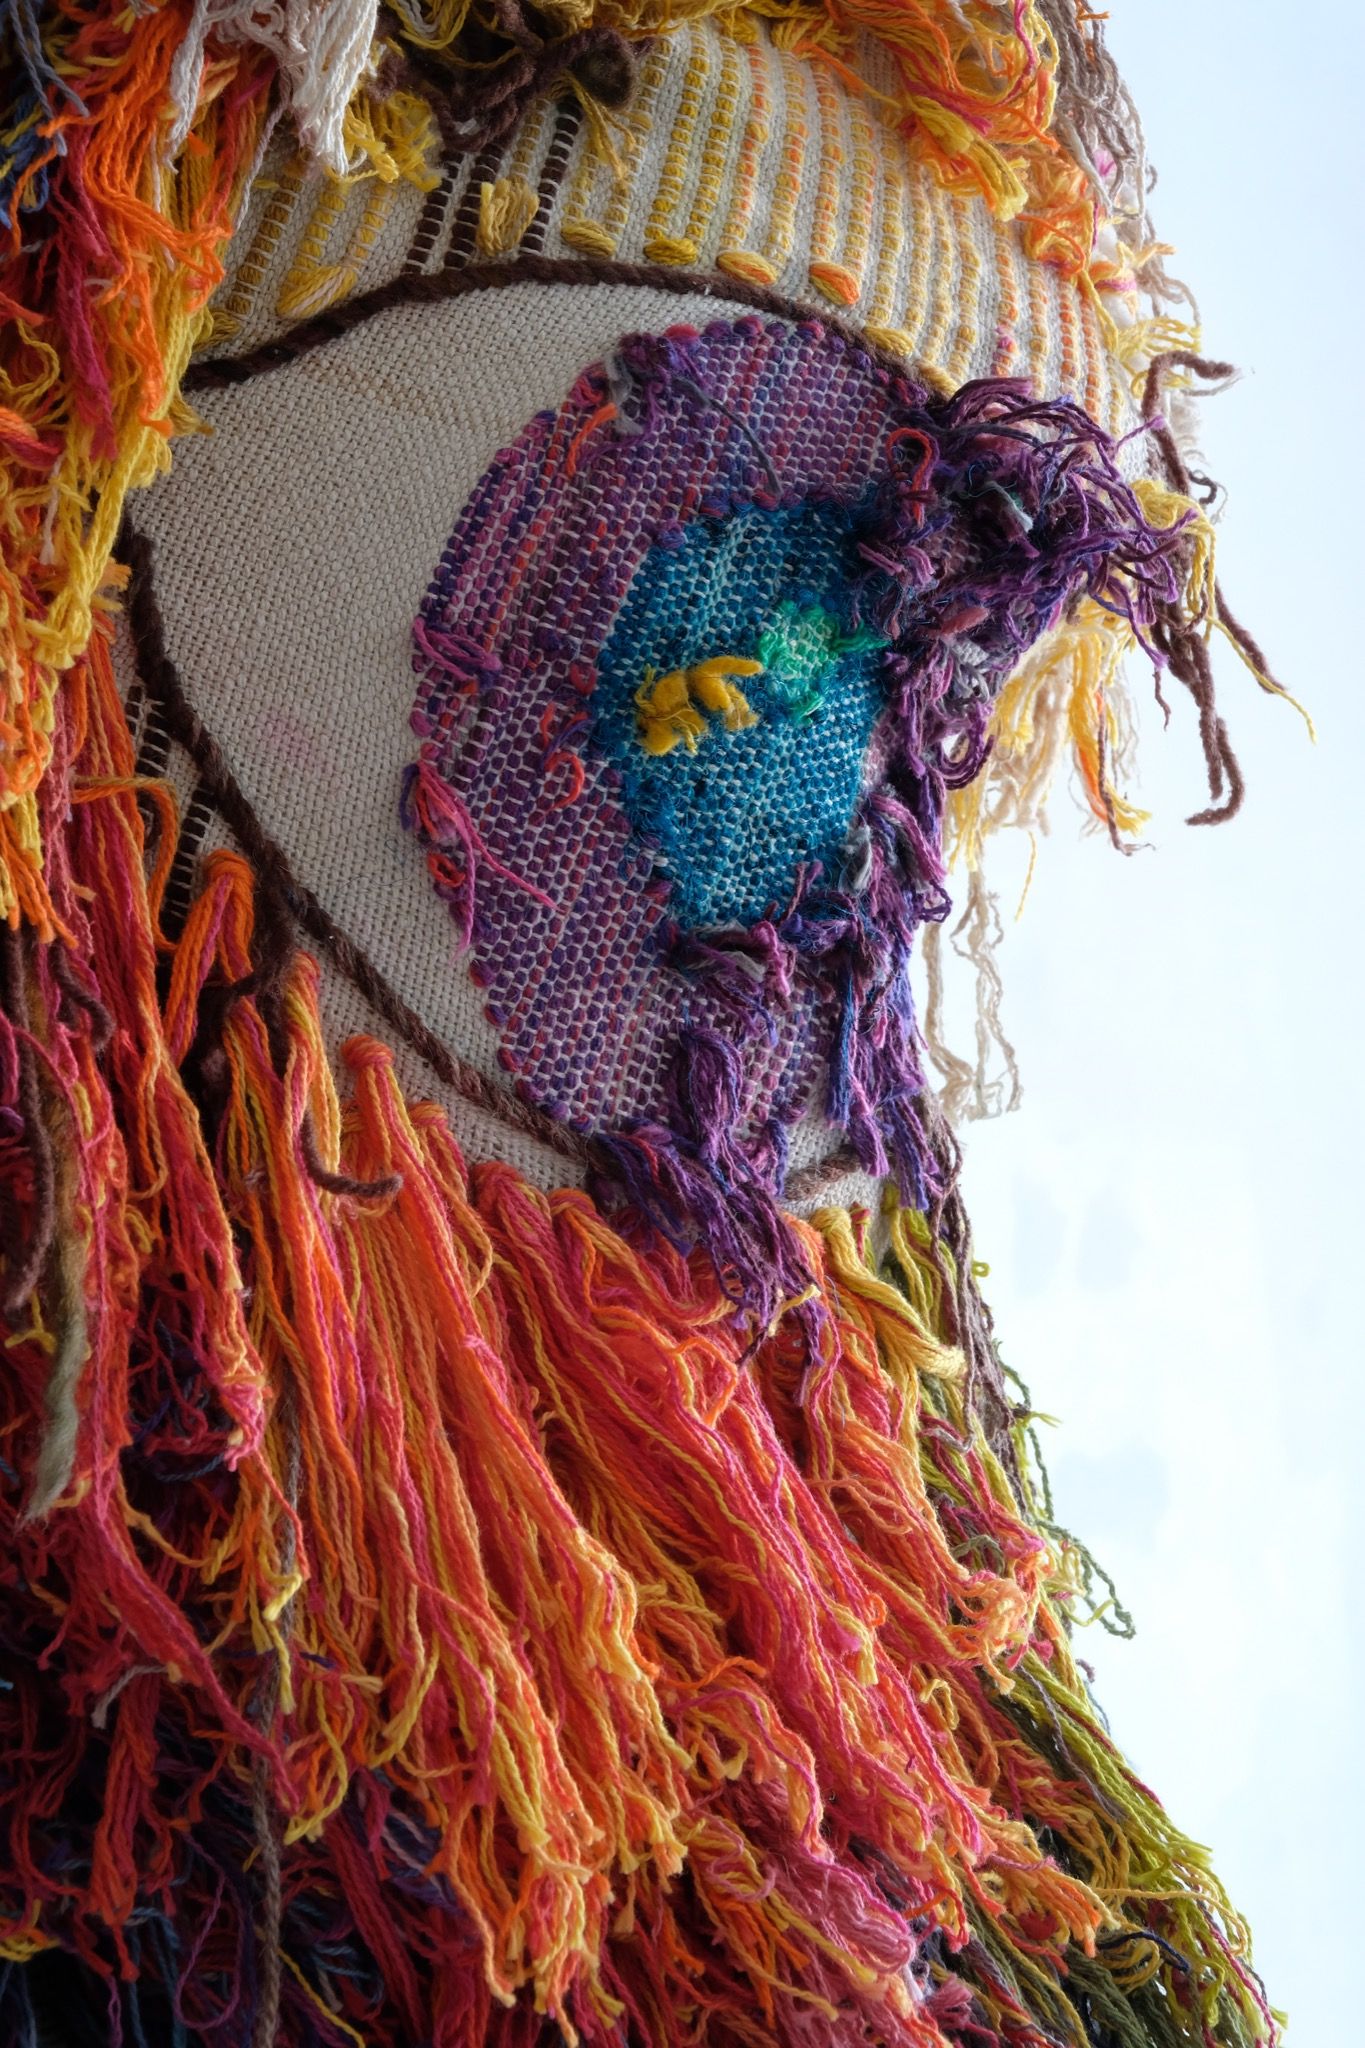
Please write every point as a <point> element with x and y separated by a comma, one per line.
<point>700,662</point>
<point>514,1525</point>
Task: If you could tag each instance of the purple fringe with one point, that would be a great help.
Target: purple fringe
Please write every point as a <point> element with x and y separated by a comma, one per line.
<point>996,514</point>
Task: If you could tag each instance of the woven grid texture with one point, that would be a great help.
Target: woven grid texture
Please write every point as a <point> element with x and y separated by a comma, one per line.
<point>554,568</point>
<point>734,157</point>
<point>293,542</point>
<point>735,814</point>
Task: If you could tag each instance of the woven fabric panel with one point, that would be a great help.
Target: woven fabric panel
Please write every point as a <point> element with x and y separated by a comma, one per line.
<point>733,157</point>
<point>293,631</point>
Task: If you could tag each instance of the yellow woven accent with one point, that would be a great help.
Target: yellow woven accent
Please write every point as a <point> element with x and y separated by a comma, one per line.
<point>506,209</point>
<point>881,312</point>
<point>744,182</point>
<point>711,173</point>
<point>1007,318</point>
<point>667,704</point>
<point>227,318</point>
<point>787,187</point>
<point>862,199</point>
<point>662,243</point>
<point>921,235</point>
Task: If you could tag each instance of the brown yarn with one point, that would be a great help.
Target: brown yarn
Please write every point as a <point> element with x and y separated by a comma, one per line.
<point>568,120</point>
<point>417,288</point>
<point>1096,118</point>
<point>264,1812</point>
<point>465,226</point>
<point>76,996</point>
<point>1182,644</point>
<point>812,1181</point>
<point>342,1183</point>
<point>968,1319</point>
<point>265,2031</point>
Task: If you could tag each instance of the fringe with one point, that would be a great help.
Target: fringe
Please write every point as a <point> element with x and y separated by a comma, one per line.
<point>429,1613</point>
<point>450,1627</point>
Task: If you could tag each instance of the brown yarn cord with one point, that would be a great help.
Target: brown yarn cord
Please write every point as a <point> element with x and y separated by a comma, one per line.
<point>266,2029</point>
<point>510,69</point>
<point>970,1323</point>
<point>411,288</point>
<point>1183,646</point>
<point>282,896</point>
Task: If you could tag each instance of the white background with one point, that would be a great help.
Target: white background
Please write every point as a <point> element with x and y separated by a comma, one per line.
<point>1173,1220</point>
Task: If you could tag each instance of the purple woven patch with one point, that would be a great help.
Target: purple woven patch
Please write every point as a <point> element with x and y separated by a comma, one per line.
<point>705,650</point>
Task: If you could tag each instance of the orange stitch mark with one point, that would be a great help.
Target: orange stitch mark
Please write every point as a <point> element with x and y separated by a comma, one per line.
<point>881,313</point>
<point>734,258</point>
<point>924,468</point>
<point>600,418</point>
<point>1007,317</point>
<point>831,279</point>
<point>661,244</point>
<point>577,776</point>
<point>787,189</point>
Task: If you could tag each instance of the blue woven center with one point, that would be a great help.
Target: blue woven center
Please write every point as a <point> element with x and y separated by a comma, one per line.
<point>732,823</point>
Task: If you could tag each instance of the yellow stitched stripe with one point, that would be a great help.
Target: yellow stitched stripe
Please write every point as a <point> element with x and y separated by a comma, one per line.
<point>311,284</point>
<point>787,187</point>
<point>228,318</point>
<point>662,245</point>
<point>1038,324</point>
<point>934,348</point>
<point>962,355</point>
<point>711,176</point>
<point>1007,317</point>
<point>734,257</point>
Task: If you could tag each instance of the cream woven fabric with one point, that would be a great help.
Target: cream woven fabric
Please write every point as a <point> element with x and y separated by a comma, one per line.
<point>736,158</point>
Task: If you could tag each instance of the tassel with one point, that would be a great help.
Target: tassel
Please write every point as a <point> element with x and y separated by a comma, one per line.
<point>506,209</point>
